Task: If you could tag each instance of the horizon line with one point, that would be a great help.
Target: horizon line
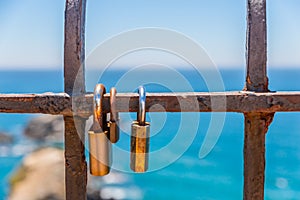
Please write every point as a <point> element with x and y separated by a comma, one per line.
<point>222,67</point>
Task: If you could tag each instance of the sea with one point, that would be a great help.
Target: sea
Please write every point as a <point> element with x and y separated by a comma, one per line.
<point>177,170</point>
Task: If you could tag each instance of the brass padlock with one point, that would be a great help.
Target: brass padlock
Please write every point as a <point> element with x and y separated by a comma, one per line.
<point>113,124</point>
<point>140,132</point>
<point>99,144</point>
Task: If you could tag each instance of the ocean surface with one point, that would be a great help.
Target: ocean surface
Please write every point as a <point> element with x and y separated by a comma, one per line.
<point>219,175</point>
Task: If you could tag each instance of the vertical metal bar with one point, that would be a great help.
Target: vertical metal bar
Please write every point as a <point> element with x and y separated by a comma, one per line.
<point>256,48</point>
<point>256,124</point>
<point>74,79</point>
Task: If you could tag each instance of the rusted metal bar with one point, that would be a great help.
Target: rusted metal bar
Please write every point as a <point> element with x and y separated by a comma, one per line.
<point>256,123</point>
<point>256,126</point>
<point>47,103</point>
<point>75,163</point>
<point>256,48</point>
<point>60,103</point>
<point>74,79</point>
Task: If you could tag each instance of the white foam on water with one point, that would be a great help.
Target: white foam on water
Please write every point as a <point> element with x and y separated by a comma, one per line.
<point>21,149</point>
<point>4,151</point>
<point>16,150</point>
<point>115,178</point>
<point>121,193</point>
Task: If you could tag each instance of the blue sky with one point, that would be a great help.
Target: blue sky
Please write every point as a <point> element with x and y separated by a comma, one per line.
<point>32,30</point>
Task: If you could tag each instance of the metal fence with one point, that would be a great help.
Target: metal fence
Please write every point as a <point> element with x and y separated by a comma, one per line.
<point>256,102</point>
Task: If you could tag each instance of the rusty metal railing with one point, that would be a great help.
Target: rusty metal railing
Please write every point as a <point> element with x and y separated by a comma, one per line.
<point>256,102</point>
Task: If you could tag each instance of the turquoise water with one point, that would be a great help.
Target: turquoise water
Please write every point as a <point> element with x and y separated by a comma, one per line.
<point>218,176</point>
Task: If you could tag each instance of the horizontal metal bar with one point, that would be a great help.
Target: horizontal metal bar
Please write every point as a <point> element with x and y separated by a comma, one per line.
<point>61,103</point>
<point>46,103</point>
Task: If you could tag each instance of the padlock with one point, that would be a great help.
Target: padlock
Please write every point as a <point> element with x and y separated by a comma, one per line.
<point>140,132</point>
<point>99,144</point>
<point>113,124</point>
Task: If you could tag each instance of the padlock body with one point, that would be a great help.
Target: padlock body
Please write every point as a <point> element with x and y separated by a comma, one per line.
<point>139,147</point>
<point>100,153</point>
<point>114,132</point>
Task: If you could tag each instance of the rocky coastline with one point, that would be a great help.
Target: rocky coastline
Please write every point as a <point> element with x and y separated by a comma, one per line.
<point>40,175</point>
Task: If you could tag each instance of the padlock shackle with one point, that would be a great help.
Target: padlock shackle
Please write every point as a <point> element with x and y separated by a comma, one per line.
<point>99,119</point>
<point>141,116</point>
<point>113,114</point>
